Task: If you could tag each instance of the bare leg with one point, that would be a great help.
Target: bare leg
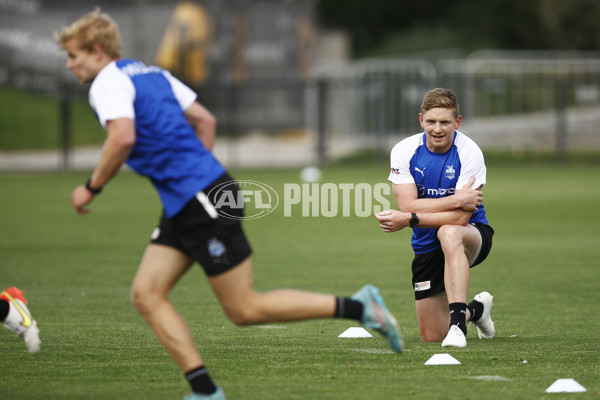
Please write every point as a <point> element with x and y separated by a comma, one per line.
<point>244,306</point>
<point>433,318</point>
<point>159,271</point>
<point>459,244</point>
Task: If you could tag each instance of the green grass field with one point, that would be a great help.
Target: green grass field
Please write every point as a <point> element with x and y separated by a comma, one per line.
<point>32,122</point>
<point>76,272</point>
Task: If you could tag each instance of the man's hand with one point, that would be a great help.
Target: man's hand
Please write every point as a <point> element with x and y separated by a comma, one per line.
<point>469,199</point>
<point>392,220</point>
<point>80,198</point>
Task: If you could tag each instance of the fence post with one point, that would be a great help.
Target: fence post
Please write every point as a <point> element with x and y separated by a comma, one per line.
<point>321,121</point>
<point>65,126</point>
<point>561,121</point>
<point>382,127</point>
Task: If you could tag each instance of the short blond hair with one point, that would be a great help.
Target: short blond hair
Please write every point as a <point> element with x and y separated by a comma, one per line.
<point>440,98</point>
<point>91,29</point>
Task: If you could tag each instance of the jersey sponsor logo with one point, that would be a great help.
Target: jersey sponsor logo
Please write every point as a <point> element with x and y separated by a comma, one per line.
<point>422,171</point>
<point>395,171</point>
<point>450,172</point>
<point>440,192</point>
<point>421,286</point>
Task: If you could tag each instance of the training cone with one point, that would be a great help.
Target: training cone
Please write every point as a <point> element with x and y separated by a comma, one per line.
<point>355,332</point>
<point>442,359</point>
<point>565,386</point>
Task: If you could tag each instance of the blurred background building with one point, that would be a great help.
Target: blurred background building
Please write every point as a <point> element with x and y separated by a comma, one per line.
<point>300,82</point>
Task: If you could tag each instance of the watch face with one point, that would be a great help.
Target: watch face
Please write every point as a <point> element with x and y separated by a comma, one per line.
<point>414,220</point>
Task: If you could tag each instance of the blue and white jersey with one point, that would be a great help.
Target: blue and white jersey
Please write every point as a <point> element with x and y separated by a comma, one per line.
<point>166,149</point>
<point>437,175</point>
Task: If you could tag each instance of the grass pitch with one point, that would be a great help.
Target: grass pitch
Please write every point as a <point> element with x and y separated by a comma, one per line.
<point>76,272</point>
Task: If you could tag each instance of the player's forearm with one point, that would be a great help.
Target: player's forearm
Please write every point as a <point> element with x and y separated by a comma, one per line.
<point>204,123</point>
<point>447,203</point>
<point>438,219</point>
<point>115,152</point>
<point>205,131</point>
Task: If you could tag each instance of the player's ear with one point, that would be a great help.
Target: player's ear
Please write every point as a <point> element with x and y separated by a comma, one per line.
<point>97,51</point>
<point>421,120</point>
<point>458,121</point>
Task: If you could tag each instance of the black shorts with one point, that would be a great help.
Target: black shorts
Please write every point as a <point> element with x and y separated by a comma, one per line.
<point>428,268</point>
<point>216,242</point>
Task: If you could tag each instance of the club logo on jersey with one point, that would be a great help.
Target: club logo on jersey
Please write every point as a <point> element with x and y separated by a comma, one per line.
<point>216,248</point>
<point>450,172</point>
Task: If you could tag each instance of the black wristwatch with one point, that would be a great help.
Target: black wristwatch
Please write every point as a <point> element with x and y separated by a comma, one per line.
<point>414,220</point>
<point>91,189</point>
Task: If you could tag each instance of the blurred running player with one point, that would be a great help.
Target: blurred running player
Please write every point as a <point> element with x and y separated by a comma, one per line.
<point>155,125</point>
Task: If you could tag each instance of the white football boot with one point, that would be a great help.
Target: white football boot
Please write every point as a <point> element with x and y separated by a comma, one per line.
<point>19,319</point>
<point>485,325</point>
<point>455,338</point>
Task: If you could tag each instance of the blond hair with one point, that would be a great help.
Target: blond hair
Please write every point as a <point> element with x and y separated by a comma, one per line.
<point>440,98</point>
<point>91,29</point>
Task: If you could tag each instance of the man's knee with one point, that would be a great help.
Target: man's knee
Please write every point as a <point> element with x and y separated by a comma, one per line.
<point>243,313</point>
<point>143,300</point>
<point>432,337</point>
<point>242,316</point>
<point>449,232</point>
<point>433,318</point>
<point>433,332</point>
<point>450,236</point>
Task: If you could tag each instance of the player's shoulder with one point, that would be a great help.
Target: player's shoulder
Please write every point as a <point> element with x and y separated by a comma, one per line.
<point>466,146</point>
<point>108,81</point>
<point>105,73</point>
<point>109,76</point>
<point>464,141</point>
<point>409,144</point>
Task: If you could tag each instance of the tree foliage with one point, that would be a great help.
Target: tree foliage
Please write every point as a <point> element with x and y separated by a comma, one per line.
<point>506,24</point>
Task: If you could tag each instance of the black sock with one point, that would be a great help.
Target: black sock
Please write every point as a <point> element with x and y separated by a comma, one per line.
<point>476,309</point>
<point>458,315</point>
<point>4,307</point>
<point>200,381</point>
<point>348,308</point>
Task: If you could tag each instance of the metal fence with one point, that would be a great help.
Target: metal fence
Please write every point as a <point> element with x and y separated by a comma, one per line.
<point>509,100</point>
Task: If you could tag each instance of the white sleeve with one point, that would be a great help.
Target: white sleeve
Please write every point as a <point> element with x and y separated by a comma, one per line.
<point>112,95</point>
<point>472,164</point>
<point>400,160</point>
<point>184,95</point>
